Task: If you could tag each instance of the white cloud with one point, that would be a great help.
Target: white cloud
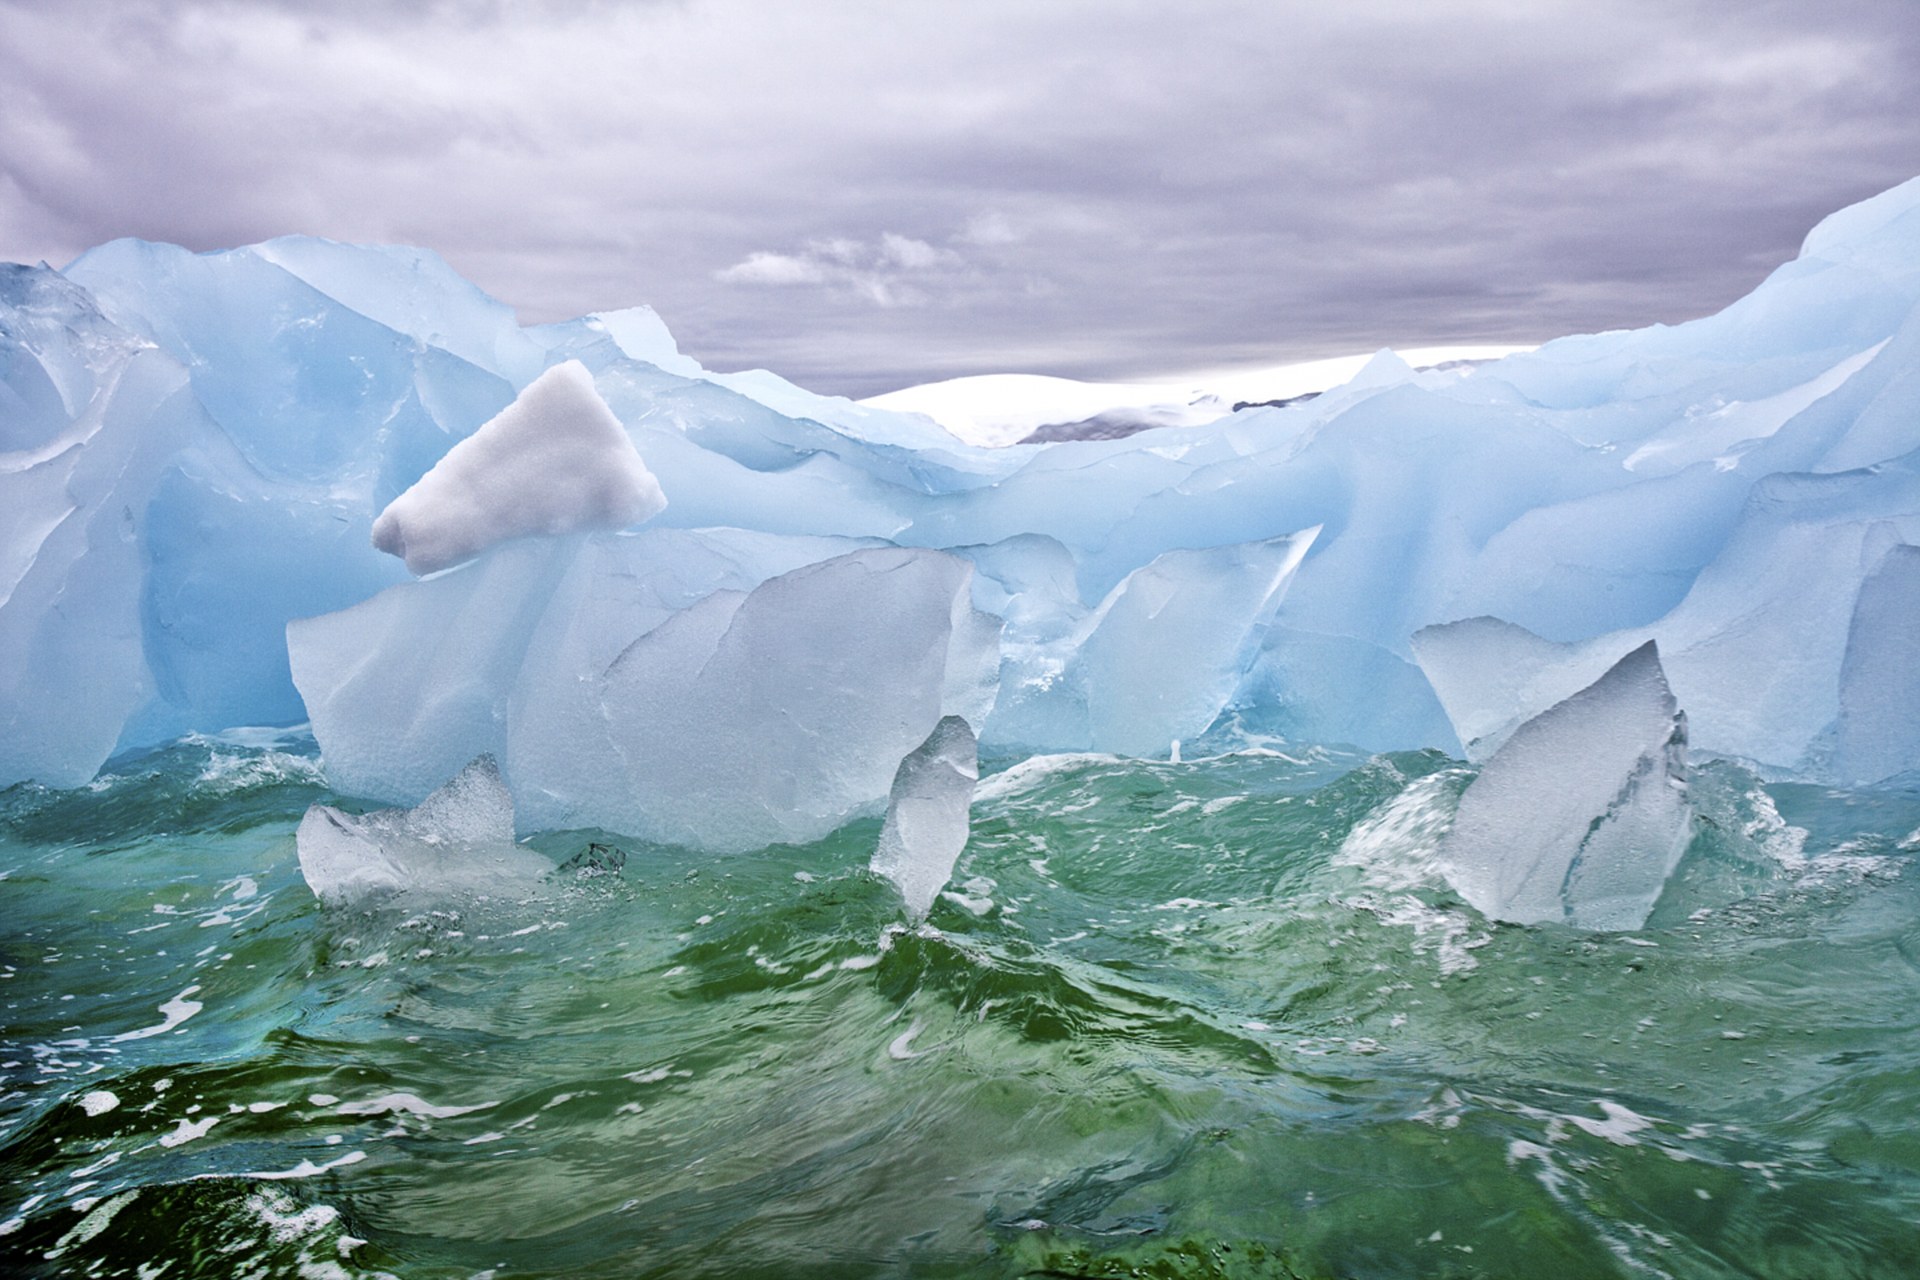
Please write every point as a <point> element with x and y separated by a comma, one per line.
<point>889,272</point>
<point>991,228</point>
<point>773,268</point>
<point>847,252</point>
<point>915,255</point>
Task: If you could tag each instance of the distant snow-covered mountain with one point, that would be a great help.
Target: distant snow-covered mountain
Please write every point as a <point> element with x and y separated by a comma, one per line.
<point>997,409</point>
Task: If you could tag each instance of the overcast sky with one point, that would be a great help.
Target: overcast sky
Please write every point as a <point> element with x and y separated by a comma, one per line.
<point>863,195</point>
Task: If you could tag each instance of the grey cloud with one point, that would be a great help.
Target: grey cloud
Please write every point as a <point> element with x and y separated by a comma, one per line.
<point>1110,189</point>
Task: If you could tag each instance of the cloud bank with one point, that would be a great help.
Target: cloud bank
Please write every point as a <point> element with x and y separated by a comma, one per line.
<point>865,196</point>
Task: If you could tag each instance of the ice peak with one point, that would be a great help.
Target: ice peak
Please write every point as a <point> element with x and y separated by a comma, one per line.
<point>1836,236</point>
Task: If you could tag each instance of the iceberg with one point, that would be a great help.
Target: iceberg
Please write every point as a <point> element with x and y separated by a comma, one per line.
<point>458,842</point>
<point>199,452</point>
<point>927,814</point>
<point>1582,814</point>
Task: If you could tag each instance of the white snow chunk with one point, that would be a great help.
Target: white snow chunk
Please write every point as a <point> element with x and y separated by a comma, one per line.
<point>459,840</point>
<point>1582,814</point>
<point>554,461</point>
<point>927,814</point>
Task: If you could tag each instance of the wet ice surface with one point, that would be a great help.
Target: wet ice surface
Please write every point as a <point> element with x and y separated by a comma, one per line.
<point>1582,813</point>
<point>927,819</point>
<point>457,844</point>
<point>1159,1014</point>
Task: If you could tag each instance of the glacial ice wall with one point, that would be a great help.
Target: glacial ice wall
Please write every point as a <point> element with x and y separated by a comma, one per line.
<point>194,449</point>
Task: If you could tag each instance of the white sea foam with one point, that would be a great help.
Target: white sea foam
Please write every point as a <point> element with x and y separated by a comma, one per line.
<point>1035,771</point>
<point>176,1011</point>
<point>408,1103</point>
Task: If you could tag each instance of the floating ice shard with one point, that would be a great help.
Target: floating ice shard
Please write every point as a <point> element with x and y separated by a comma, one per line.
<point>927,814</point>
<point>1582,814</point>
<point>456,842</point>
<point>554,461</point>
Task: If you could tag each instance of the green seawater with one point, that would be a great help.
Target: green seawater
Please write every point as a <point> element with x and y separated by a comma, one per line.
<point>1218,1018</point>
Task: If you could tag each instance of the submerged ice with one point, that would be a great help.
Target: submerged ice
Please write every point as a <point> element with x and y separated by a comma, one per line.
<point>203,456</point>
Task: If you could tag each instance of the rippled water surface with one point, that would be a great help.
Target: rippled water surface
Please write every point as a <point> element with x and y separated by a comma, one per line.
<point>1218,1018</point>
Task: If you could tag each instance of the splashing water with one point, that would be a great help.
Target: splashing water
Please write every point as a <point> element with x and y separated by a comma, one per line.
<point>1212,1018</point>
